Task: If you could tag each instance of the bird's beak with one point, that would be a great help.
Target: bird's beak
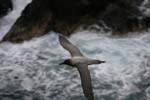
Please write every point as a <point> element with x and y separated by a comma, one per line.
<point>61,63</point>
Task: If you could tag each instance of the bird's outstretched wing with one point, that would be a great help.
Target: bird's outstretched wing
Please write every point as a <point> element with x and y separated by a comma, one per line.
<point>86,81</point>
<point>74,51</point>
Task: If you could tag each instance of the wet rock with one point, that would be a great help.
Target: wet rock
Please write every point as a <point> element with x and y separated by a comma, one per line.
<point>5,6</point>
<point>121,16</point>
<point>62,16</point>
<point>66,16</point>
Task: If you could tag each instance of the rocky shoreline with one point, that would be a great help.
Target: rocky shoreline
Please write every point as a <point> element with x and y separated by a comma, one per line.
<point>66,16</point>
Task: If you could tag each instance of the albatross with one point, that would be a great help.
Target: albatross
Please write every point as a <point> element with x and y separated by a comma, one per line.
<point>81,62</point>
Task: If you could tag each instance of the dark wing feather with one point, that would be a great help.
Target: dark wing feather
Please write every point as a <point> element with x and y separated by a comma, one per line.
<point>74,51</point>
<point>86,81</point>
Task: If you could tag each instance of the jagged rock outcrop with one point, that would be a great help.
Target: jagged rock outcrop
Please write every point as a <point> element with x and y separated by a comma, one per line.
<point>65,16</point>
<point>60,15</point>
<point>5,6</point>
<point>35,21</point>
<point>120,16</point>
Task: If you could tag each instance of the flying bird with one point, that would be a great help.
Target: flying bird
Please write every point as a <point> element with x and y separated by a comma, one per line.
<point>81,62</point>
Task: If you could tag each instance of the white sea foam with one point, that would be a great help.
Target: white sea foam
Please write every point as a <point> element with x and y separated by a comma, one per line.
<point>31,70</point>
<point>125,72</point>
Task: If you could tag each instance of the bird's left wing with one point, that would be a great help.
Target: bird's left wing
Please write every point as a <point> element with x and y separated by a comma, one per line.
<point>66,44</point>
<point>86,81</point>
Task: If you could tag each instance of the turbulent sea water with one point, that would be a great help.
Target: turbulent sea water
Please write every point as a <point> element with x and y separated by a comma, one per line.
<point>31,70</point>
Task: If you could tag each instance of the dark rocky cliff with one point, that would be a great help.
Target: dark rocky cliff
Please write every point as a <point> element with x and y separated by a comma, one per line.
<point>5,6</point>
<point>65,16</point>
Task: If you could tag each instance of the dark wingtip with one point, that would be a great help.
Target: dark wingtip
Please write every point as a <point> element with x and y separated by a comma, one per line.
<point>62,37</point>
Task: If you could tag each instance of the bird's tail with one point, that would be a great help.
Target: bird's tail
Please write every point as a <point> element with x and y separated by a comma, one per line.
<point>95,62</point>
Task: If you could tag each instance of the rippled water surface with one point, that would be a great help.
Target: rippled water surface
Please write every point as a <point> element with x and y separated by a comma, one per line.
<point>31,70</point>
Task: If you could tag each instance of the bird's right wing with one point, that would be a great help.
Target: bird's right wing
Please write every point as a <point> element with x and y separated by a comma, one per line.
<point>74,51</point>
<point>86,81</point>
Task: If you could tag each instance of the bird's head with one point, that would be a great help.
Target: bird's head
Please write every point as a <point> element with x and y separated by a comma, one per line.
<point>67,62</point>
